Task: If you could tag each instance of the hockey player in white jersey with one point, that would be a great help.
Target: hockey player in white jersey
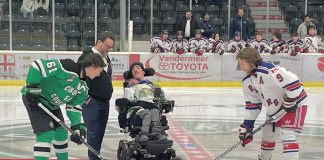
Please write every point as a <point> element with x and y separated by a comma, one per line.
<point>198,45</point>
<point>277,44</point>
<point>259,43</point>
<point>160,44</point>
<point>216,45</point>
<point>294,45</point>
<point>312,42</point>
<point>281,93</point>
<point>236,44</point>
<point>179,45</point>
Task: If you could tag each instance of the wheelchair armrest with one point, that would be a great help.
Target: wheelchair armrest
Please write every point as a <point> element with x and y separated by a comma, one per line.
<point>123,102</point>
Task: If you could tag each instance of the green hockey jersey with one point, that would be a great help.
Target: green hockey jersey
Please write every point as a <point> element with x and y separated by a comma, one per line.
<point>57,86</point>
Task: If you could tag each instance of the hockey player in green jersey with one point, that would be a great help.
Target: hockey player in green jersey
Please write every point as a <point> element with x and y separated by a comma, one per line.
<point>53,83</point>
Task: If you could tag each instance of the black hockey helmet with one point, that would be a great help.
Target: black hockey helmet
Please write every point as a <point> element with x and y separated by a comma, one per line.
<point>179,32</point>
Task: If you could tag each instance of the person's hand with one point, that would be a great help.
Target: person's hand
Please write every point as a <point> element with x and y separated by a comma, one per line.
<point>133,82</point>
<point>33,99</point>
<point>244,136</point>
<point>79,134</point>
<point>289,104</point>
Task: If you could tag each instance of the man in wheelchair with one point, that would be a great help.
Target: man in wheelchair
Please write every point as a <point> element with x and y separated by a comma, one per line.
<point>140,111</point>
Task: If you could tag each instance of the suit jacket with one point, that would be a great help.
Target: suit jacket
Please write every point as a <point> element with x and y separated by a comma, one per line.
<point>193,25</point>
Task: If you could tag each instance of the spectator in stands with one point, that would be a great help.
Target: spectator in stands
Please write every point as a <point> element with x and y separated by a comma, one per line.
<point>206,26</point>
<point>312,42</point>
<point>302,28</point>
<point>41,7</point>
<point>294,44</point>
<point>28,7</point>
<point>188,25</point>
<point>240,24</point>
<point>179,45</point>
<point>216,44</point>
<point>95,113</point>
<point>236,44</point>
<point>277,44</point>
<point>198,44</point>
<point>259,43</point>
<point>161,44</point>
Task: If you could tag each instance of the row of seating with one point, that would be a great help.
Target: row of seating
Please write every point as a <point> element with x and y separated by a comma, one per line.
<point>293,12</point>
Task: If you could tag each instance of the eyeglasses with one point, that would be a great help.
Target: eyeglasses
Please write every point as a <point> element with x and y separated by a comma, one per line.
<point>108,46</point>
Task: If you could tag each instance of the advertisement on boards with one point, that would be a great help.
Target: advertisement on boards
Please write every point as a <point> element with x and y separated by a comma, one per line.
<point>188,67</point>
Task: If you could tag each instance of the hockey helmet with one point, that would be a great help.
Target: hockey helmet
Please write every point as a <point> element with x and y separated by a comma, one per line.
<point>165,32</point>
<point>179,32</point>
<point>237,33</point>
<point>198,31</point>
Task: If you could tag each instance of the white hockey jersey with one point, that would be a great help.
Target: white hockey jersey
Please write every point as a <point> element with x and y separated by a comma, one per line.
<point>179,44</point>
<point>294,46</point>
<point>216,46</point>
<point>261,46</point>
<point>195,44</point>
<point>266,87</point>
<point>278,46</point>
<point>141,92</point>
<point>312,44</point>
<point>235,46</point>
<point>160,46</point>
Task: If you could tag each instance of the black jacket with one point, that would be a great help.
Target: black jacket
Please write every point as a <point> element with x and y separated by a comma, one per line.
<point>208,29</point>
<point>236,26</point>
<point>193,25</point>
<point>100,88</point>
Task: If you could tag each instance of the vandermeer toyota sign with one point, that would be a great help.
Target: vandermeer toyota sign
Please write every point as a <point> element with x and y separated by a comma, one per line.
<point>184,67</point>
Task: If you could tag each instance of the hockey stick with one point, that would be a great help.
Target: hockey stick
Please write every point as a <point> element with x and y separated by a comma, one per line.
<point>70,130</point>
<point>271,119</point>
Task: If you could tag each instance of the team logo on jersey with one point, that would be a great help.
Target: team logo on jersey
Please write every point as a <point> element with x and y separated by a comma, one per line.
<point>7,65</point>
<point>320,64</point>
<point>71,78</point>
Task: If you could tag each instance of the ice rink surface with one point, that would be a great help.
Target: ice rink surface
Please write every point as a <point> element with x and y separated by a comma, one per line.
<point>203,125</point>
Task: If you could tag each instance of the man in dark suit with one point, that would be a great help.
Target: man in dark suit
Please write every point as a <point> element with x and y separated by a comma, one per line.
<point>188,25</point>
<point>240,24</point>
<point>95,113</point>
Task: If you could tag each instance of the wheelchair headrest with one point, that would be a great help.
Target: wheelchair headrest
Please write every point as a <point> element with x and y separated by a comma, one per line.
<point>148,72</point>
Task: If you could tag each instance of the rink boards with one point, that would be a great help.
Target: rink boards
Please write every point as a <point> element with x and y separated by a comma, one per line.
<point>171,69</point>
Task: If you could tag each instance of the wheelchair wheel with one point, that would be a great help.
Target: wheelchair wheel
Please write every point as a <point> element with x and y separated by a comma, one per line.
<point>176,158</point>
<point>122,150</point>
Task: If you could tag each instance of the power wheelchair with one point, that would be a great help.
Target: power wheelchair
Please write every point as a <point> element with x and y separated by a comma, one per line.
<point>130,123</point>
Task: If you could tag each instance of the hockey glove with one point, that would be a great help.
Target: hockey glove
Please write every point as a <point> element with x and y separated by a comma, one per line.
<point>293,53</point>
<point>221,52</point>
<point>244,136</point>
<point>289,104</point>
<point>262,47</point>
<point>233,50</point>
<point>273,51</point>
<point>240,46</point>
<point>32,99</point>
<point>79,133</point>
